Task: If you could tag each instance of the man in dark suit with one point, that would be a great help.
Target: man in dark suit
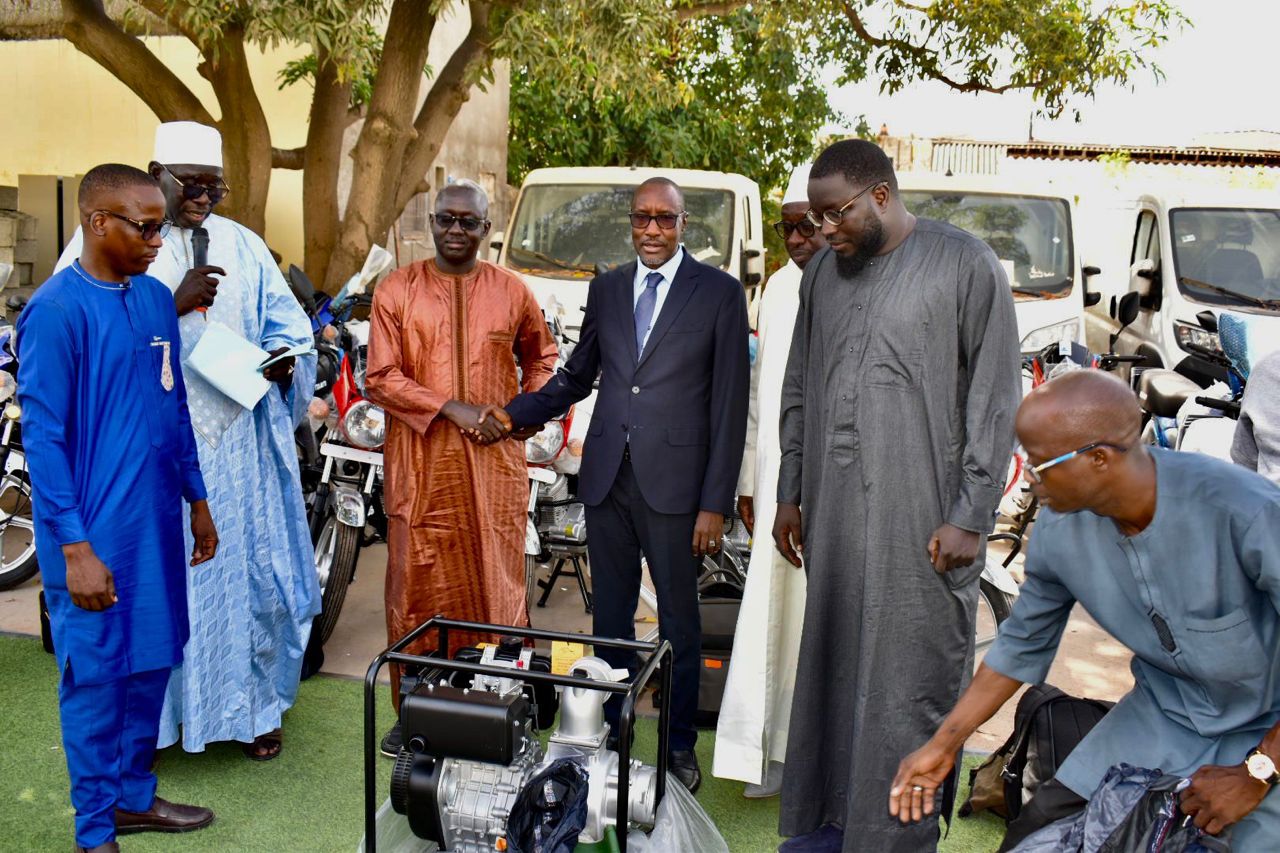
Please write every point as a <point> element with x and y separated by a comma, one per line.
<point>667,335</point>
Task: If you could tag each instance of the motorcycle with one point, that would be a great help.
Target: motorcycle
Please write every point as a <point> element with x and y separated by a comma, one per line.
<point>18,563</point>
<point>340,445</point>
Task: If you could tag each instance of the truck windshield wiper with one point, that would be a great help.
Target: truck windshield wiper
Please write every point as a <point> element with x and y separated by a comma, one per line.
<point>1225,291</point>
<point>564,265</point>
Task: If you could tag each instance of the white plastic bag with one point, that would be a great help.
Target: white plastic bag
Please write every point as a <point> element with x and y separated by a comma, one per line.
<point>682,826</point>
<point>395,836</point>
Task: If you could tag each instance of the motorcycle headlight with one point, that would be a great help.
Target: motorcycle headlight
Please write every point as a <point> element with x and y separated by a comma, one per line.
<point>544,446</point>
<point>365,425</point>
<point>1041,338</point>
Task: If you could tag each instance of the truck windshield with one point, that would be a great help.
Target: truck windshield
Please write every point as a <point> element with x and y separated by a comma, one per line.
<point>1031,236</point>
<point>564,230</point>
<point>1228,256</point>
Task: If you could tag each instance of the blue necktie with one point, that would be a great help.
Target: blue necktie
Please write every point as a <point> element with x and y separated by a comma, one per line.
<point>644,308</point>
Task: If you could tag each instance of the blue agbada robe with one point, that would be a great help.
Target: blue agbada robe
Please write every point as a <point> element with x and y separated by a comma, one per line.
<point>112,456</point>
<point>251,606</point>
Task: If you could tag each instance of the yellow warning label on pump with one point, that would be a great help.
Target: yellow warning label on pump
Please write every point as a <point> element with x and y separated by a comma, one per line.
<point>563,655</point>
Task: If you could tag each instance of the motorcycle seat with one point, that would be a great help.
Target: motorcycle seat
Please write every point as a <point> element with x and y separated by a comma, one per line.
<point>1162,392</point>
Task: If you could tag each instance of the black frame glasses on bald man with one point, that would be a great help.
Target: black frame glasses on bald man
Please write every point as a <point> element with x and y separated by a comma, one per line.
<point>666,221</point>
<point>804,226</point>
<point>466,223</point>
<point>148,230</point>
<point>192,190</point>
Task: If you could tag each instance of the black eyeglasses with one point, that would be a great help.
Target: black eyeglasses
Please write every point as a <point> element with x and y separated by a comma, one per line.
<point>666,221</point>
<point>192,191</point>
<point>466,223</point>
<point>835,217</point>
<point>1034,471</point>
<point>804,226</point>
<point>148,230</point>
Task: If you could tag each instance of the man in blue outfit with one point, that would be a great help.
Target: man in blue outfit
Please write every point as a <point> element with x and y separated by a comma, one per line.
<point>112,456</point>
<point>1177,556</point>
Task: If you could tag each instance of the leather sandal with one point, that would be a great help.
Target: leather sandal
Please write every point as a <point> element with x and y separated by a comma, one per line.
<point>272,742</point>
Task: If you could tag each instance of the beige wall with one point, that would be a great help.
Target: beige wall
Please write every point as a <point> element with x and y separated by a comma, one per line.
<point>64,114</point>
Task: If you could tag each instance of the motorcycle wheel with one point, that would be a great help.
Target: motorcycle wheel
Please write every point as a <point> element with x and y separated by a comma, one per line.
<point>994,606</point>
<point>720,575</point>
<point>530,582</point>
<point>337,547</point>
<point>17,532</point>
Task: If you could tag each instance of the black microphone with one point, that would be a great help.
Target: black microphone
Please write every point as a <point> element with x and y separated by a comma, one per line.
<point>200,251</point>
<point>200,246</point>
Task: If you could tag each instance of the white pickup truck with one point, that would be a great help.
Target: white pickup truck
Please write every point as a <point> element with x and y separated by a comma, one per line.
<point>570,222</point>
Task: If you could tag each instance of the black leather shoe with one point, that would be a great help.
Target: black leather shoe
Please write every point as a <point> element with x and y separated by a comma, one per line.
<point>163,816</point>
<point>683,764</point>
<point>392,741</point>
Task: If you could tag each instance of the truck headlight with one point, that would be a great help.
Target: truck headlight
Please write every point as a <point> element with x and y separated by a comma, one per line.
<point>1041,338</point>
<point>545,446</point>
<point>1193,334</point>
<point>365,425</point>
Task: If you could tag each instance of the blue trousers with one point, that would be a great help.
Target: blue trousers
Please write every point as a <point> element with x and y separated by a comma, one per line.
<point>109,734</point>
<point>621,527</point>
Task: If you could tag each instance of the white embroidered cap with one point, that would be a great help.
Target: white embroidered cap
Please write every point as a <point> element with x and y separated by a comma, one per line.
<point>188,142</point>
<point>798,188</point>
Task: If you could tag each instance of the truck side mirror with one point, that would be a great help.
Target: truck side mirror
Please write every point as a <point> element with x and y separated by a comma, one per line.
<point>1091,297</point>
<point>495,245</point>
<point>1208,321</point>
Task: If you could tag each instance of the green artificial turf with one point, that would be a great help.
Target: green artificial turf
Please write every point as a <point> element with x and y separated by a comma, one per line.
<point>308,799</point>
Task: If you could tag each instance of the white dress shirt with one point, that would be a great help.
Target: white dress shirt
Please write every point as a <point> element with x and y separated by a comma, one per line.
<point>668,272</point>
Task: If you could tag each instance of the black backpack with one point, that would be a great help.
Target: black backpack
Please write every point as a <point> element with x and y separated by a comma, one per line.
<point>1047,726</point>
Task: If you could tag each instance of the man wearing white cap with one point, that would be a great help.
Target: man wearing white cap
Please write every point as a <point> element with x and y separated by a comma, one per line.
<point>251,607</point>
<point>751,738</point>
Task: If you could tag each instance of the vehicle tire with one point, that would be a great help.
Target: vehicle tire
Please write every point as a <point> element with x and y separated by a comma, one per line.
<point>720,576</point>
<point>17,532</point>
<point>994,606</point>
<point>530,581</point>
<point>337,547</point>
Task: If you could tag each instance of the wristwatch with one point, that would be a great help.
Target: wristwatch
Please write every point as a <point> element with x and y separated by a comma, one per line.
<point>1261,767</point>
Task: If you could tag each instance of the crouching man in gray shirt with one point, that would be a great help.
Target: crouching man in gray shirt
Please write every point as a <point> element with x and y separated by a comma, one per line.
<point>1177,556</point>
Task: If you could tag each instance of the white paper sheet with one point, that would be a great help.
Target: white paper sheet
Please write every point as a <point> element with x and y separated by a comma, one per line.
<point>230,363</point>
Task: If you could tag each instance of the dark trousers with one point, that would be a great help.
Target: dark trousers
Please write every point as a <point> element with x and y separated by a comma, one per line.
<point>1051,802</point>
<point>109,735</point>
<point>619,529</point>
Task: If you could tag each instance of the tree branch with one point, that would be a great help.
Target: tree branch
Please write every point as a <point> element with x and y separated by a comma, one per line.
<point>287,158</point>
<point>709,9</point>
<point>933,73</point>
<point>87,26</point>
<point>449,91</point>
<point>167,13</point>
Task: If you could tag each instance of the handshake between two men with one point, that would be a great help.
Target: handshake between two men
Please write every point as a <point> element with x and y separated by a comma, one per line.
<point>485,424</point>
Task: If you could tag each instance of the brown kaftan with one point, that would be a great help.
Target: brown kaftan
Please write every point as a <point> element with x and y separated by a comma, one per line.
<point>456,510</point>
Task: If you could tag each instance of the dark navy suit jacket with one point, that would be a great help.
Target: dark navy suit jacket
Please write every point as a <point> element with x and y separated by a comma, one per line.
<point>683,401</point>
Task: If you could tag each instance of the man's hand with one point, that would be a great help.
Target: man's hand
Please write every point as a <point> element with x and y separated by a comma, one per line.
<point>197,289</point>
<point>707,531</point>
<point>525,433</point>
<point>915,787</point>
<point>747,512</point>
<point>1221,796</point>
<point>282,370</point>
<point>89,581</point>
<point>482,426</point>
<point>203,532</point>
<point>950,548</point>
<point>786,534</point>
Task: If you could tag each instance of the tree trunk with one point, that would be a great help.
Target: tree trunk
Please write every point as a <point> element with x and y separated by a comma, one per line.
<point>321,162</point>
<point>246,139</point>
<point>378,155</point>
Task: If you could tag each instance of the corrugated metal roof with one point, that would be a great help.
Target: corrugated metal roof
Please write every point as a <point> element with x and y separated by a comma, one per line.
<point>1144,154</point>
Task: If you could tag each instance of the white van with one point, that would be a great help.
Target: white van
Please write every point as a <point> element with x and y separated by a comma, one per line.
<point>570,222</point>
<point>1192,251</point>
<point>1031,225</point>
